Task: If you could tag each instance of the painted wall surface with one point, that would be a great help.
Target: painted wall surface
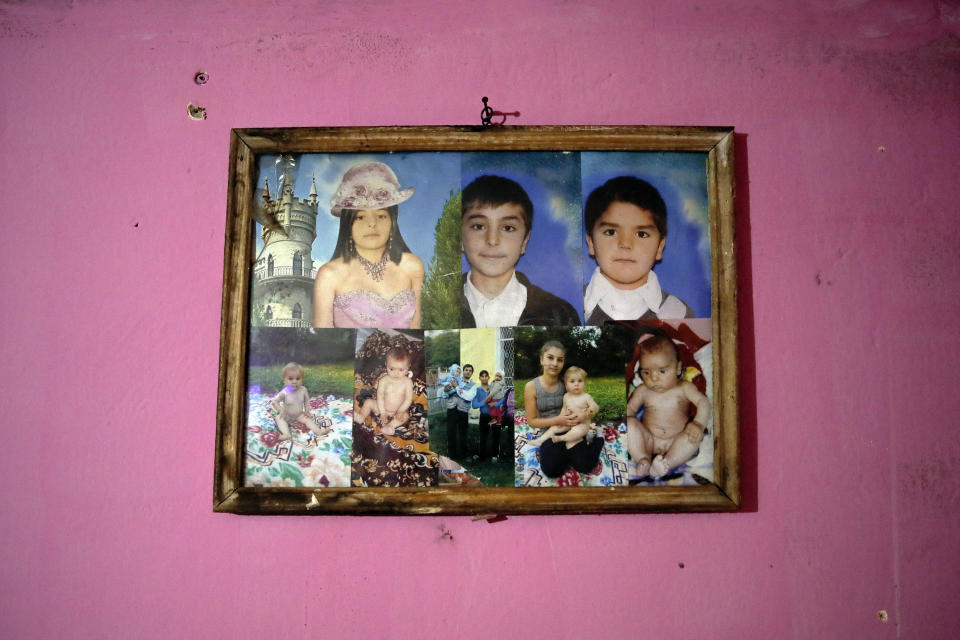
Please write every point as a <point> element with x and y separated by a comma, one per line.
<point>113,204</point>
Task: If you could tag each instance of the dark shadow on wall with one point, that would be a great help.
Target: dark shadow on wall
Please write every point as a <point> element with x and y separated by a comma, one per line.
<point>747,356</point>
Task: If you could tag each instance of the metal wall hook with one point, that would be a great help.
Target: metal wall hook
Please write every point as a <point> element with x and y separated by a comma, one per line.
<point>488,113</point>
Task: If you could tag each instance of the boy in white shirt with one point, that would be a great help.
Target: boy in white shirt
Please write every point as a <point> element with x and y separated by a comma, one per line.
<point>496,218</point>
<point>625,220</point>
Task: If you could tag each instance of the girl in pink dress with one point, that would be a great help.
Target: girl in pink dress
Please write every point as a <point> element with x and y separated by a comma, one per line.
<point>372,279</point>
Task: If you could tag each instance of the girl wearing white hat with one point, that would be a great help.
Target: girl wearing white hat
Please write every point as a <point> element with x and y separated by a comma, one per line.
<point>372,279</point>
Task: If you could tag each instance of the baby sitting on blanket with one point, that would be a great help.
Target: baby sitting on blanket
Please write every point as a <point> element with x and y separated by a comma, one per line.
<point>292,404</point>
<point>395,392</point>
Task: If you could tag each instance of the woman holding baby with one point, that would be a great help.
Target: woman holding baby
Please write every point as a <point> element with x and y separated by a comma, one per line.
<point>543,400</point>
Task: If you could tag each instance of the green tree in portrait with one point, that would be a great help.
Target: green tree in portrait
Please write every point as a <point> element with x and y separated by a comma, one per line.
<point>439,305</point>
<point>443,349</point>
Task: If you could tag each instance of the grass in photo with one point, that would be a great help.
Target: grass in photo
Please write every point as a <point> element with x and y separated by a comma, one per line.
<point>579,437</point>
<point>299,407</point>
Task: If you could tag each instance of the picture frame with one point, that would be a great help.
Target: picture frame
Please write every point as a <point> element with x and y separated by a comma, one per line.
<point>242,339</point>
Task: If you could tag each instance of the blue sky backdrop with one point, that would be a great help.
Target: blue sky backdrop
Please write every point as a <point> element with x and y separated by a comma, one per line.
<point>432,175</point>
<point>681,179</point>
<point>552,180</point>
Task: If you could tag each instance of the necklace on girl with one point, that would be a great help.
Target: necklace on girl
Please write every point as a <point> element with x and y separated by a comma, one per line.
<point>374,269</point>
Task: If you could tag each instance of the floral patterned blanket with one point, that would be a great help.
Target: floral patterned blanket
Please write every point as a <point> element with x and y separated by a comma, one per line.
<point>611,469</point>
<point>403,459</point>
<point>304,461</point>
<point>390,461</point>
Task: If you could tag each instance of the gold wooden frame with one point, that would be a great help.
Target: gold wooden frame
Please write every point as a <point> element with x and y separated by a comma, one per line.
<point>229,494</point>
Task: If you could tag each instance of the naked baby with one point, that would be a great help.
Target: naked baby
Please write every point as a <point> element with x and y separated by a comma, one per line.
<point>665,437</point>
<point>292,404</point>
<point>395,392</point>
<point>576,402</point>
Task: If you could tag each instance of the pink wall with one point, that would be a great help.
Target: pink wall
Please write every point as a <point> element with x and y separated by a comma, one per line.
<point>113,204</point>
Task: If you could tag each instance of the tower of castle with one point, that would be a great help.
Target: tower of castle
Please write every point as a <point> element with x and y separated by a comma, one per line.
<point>283,275</point>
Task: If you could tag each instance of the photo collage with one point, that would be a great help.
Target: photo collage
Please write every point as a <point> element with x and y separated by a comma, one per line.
<point>480,319</point>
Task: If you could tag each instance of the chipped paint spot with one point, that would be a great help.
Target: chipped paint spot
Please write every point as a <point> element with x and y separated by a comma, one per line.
<point>196,112</point>
<point>882,615</point>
